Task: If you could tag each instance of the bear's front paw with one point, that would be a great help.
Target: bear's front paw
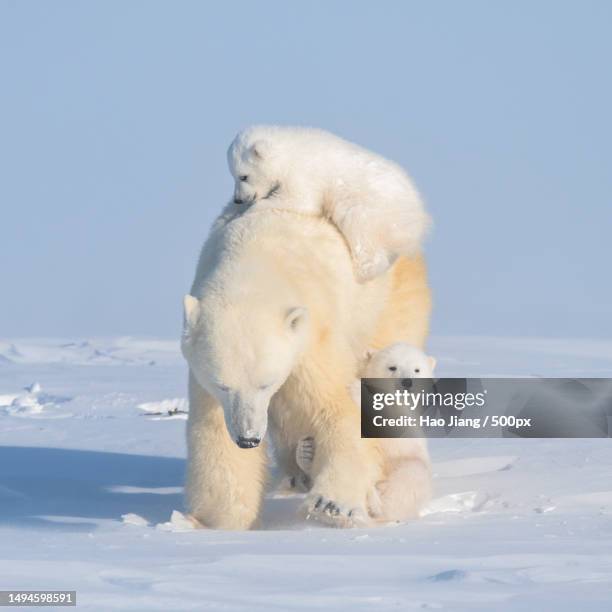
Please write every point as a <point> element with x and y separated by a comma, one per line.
<point>330,512</point>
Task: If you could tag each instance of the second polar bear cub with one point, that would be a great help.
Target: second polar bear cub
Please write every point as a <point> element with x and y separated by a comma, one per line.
<point>399,360</point>
<point>406,485</point>
<point>370,199</point>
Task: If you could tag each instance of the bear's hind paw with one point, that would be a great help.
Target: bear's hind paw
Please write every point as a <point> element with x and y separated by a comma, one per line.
<point>304,454</point>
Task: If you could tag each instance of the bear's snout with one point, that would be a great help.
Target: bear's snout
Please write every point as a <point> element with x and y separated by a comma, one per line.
<point>248,442</point>
<point>406,383</point>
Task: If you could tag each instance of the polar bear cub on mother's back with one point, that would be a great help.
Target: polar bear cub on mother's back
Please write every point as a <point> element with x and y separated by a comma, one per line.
<point>370,199</point>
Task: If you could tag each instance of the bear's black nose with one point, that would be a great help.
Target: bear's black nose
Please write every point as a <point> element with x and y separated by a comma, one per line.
<point>406,383</point>
<point>248,442</point>
<point>237,201</point>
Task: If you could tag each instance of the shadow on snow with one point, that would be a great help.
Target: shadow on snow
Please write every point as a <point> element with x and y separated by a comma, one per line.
<point>76,484</point>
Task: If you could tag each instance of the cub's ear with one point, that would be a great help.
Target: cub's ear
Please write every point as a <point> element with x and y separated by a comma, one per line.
<point>260,149</point>
<point>432,363</point>
<point>368,354</point>
<point>296,318</point>
<point>191,314</point>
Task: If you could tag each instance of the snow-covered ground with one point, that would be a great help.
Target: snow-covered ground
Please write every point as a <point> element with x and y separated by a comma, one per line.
<point>91,470</point>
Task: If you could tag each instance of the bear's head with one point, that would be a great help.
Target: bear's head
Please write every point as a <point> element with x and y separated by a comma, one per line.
<point>399,360</point>
<point>242,356</point>
<point>256,166</point>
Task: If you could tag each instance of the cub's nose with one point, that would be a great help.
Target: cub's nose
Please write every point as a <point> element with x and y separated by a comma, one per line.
<point>238,201</point>
<point>406,383</point>
<point>248,442</point>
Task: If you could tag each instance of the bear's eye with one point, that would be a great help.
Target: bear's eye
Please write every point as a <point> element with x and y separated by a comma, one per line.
<point>244,178</point>
<point>417,370</point>
<point>392,368</point>
<point>223,387</point>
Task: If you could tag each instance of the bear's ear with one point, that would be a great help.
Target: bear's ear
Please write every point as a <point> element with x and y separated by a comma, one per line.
<point>432,363</point>
<point>191,314</point>
<point>260,149</point>
<point>295,318</point>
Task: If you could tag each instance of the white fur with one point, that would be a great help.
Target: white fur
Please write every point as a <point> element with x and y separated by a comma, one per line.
<point>274,325</point>
<point>370,199</point>
<point>406,486</point>
<point>399,360</point>
<point>396,361</point>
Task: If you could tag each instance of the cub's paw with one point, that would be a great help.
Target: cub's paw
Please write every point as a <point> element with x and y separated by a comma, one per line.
<point>330,512</point>
<point>372,264</point>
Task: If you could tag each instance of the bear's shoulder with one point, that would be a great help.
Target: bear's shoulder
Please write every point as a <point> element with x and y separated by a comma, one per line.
<point>281,241</point>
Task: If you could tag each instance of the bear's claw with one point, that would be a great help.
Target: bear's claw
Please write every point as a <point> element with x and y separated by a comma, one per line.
<point>330,512</point>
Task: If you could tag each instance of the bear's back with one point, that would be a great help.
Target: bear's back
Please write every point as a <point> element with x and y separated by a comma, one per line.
<point>271,239</point>
<point>274,255</point>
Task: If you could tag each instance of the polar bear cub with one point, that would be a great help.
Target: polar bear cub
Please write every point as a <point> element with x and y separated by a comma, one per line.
<point>399,360</point>
<point>370,199</point>
<point>406,486</point>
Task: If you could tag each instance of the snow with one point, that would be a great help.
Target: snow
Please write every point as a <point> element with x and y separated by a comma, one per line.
<point>91,468</point>
<point>134,519</point>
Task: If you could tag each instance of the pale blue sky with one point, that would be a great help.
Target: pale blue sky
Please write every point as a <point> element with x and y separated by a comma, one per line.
<point>115,118</point>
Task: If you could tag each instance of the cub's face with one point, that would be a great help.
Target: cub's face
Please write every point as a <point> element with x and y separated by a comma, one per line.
<point>399,360</point>
<point>242,360</point>
<point>253,168</point>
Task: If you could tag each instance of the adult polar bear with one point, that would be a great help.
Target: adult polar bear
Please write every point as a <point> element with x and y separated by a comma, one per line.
<point>274,328</point>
